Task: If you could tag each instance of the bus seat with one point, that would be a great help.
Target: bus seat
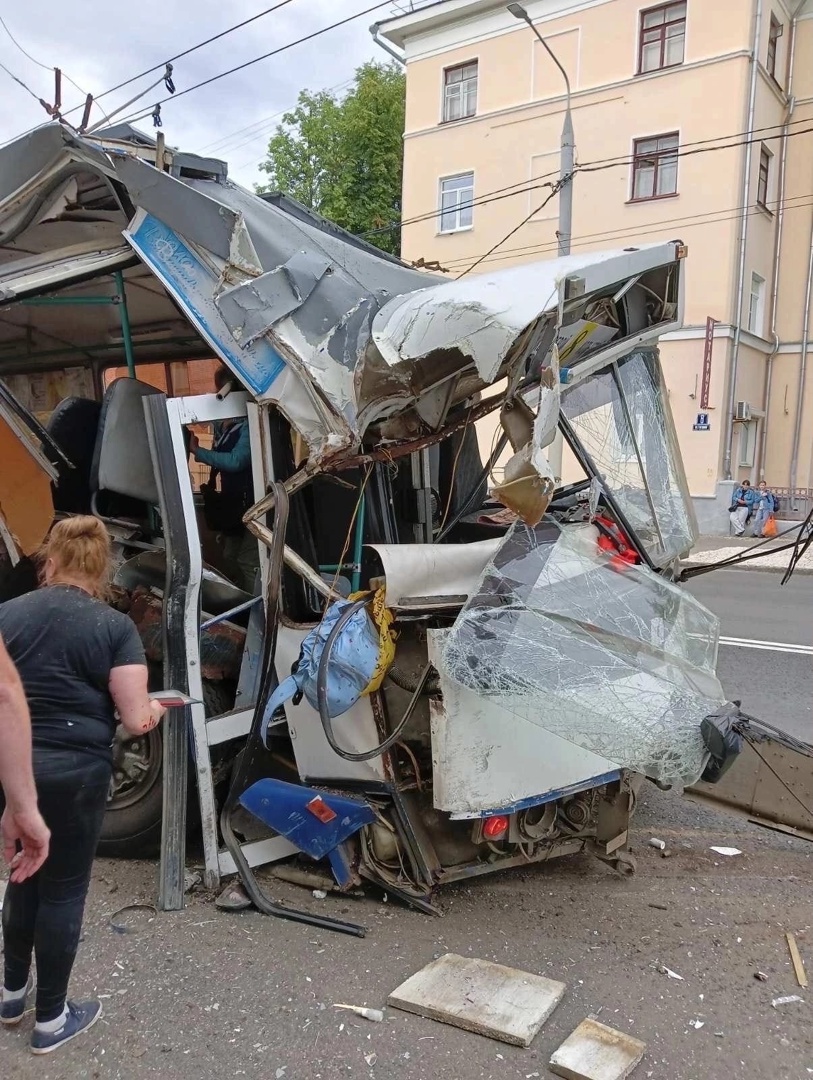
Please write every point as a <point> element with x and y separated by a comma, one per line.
<point>122,464</point>
<point>73,425</point>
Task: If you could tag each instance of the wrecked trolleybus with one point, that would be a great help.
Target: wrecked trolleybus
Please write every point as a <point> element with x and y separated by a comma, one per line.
<point>441,672</point>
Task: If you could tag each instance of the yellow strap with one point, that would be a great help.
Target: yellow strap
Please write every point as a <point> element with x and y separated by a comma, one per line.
<point>383,619</point>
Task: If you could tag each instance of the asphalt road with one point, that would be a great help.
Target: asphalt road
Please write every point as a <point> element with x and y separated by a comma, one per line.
<point>761,621</point>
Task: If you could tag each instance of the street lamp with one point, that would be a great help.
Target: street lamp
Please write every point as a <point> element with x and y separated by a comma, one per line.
<point>567,145</point>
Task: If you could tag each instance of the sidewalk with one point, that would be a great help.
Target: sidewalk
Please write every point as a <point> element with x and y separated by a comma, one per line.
<point>712,549</point>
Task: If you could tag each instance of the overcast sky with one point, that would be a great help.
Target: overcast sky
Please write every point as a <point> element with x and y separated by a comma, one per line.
<point>99,44</point>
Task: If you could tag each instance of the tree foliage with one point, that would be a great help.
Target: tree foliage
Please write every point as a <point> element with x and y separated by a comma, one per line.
<point>343,156</point>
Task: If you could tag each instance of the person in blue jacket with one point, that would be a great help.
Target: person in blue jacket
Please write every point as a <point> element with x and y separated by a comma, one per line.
<point>742,503</point>
<point>764,506</point>
<point>230,456</point>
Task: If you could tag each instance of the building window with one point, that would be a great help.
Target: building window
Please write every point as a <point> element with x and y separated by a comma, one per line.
<point>774,34</point>
<point>748,443</point>
<point>662,39</point>
<point>756,305</point>
<point>655,167</point>
<point>764,177</point>
<point>456,195</point>
<point>460,92</point>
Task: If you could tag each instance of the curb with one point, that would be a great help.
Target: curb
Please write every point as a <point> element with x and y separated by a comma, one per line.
<point>751,566</point>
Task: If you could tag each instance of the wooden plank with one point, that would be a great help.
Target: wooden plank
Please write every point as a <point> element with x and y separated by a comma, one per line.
<point>597,1052</point>
<point>798,966</point>
<point>477,995</point>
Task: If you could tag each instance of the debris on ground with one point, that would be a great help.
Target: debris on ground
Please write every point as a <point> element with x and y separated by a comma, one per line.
<point>729,852</point>
<point>376,1015</point>
<point>664,970</point>
<point>191,880</point>
<point>790,999</point>
<point>597,1052</point>
<point>656,843</point>
<point>795,956</point>
<point>697,1024</point>
<point>478,995</point>
<point>319,894</point>
<point>233,898</point>
<point>760,976</point>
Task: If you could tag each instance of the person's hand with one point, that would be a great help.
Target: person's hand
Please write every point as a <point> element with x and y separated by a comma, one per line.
<point>26,828</point>
<point>194,443</point>
<point>157,713</point>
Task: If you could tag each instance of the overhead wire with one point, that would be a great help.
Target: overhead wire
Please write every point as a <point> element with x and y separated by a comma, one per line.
<point>520,187</point>
<point>554,189</point>
<point>692,221</point>
<point>20,82</point>
<point>221,145</point>
<point>40,64</point>
<point>192,49</point>
<point>264,56</point>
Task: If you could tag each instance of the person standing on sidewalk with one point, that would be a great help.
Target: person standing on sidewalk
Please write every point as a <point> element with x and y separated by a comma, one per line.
<point>764,506</point>
<point>25,835</point>
<point>742,503</point>
<point>80,661</point>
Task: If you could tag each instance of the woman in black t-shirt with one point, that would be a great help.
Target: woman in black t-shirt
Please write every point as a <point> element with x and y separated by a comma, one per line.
<point>80,661</point>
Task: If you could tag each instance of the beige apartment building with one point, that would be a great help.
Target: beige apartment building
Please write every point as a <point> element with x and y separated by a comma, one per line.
<point>693,120</point>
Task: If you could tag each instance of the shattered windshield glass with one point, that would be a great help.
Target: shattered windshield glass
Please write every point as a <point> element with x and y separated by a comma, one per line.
<point>622,418</point>
<point>609,657</point>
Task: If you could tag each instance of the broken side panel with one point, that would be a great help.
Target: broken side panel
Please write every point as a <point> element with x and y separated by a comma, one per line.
<point>577,658</point>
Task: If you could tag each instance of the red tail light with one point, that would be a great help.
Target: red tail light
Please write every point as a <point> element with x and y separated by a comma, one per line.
<point>495,828</point>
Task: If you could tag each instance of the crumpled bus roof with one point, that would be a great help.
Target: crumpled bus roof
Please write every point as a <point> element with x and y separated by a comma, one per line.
<point>338,335</point>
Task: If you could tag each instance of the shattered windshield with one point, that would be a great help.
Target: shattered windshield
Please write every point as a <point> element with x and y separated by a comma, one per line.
<point>614,660</point>
<point>622,418</point>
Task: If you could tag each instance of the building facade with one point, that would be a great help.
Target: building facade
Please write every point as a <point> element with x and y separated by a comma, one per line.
<point>693,120</point>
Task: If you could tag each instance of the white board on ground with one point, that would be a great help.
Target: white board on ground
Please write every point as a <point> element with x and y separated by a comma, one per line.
<point>500,1002</point>
<point>597,1052</point>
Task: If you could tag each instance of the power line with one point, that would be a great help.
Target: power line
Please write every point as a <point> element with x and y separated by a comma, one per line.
<point>265,56</point>
<point>45,67</point>
<point>623,230</point>
<point>554,189</point>
<point>620,160</point>
<point>588,240</point>
<point>263,127</point>
<point>193,48</point>
<point>20,82</point>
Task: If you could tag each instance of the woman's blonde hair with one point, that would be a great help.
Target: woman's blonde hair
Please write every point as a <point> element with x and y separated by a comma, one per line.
<point>80,548</point>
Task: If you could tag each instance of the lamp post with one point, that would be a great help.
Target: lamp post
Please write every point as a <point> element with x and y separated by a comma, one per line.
<point>567,145</point>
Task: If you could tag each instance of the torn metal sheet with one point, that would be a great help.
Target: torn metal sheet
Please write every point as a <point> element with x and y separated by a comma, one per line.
<point>433,570</point>
<point>252,309</point>
<point>562,642</point>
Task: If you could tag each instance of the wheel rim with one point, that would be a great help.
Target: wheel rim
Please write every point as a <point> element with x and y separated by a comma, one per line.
<point>136,768</point>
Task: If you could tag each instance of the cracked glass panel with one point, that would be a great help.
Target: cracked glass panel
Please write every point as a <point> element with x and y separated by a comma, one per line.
<point>622,418</point>
<point>609,657</point>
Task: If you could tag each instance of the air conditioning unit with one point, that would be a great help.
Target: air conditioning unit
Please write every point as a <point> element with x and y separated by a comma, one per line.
<point>743,411</point>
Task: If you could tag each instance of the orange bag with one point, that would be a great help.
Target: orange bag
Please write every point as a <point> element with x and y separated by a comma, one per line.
<point>770,528</point>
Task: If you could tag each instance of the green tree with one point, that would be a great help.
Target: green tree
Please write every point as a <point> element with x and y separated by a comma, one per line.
<point>343,156</point>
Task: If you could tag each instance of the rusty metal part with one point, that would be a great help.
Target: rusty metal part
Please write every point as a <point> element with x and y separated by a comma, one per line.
<point>477,412</point>
<point>221,646</point>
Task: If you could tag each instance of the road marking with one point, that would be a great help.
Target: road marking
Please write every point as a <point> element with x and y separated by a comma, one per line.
<point>770,646</point>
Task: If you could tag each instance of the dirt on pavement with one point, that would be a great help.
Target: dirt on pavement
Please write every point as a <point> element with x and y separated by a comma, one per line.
<point>200,993</point>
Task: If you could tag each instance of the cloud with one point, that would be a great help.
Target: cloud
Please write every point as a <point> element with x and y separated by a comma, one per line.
<point>102,44</point>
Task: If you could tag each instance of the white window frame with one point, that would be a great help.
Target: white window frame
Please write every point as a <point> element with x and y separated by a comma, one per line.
<point>460,225</point>
<point>756,305</point>
<point>464,91</point>
<point>749,431</point>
